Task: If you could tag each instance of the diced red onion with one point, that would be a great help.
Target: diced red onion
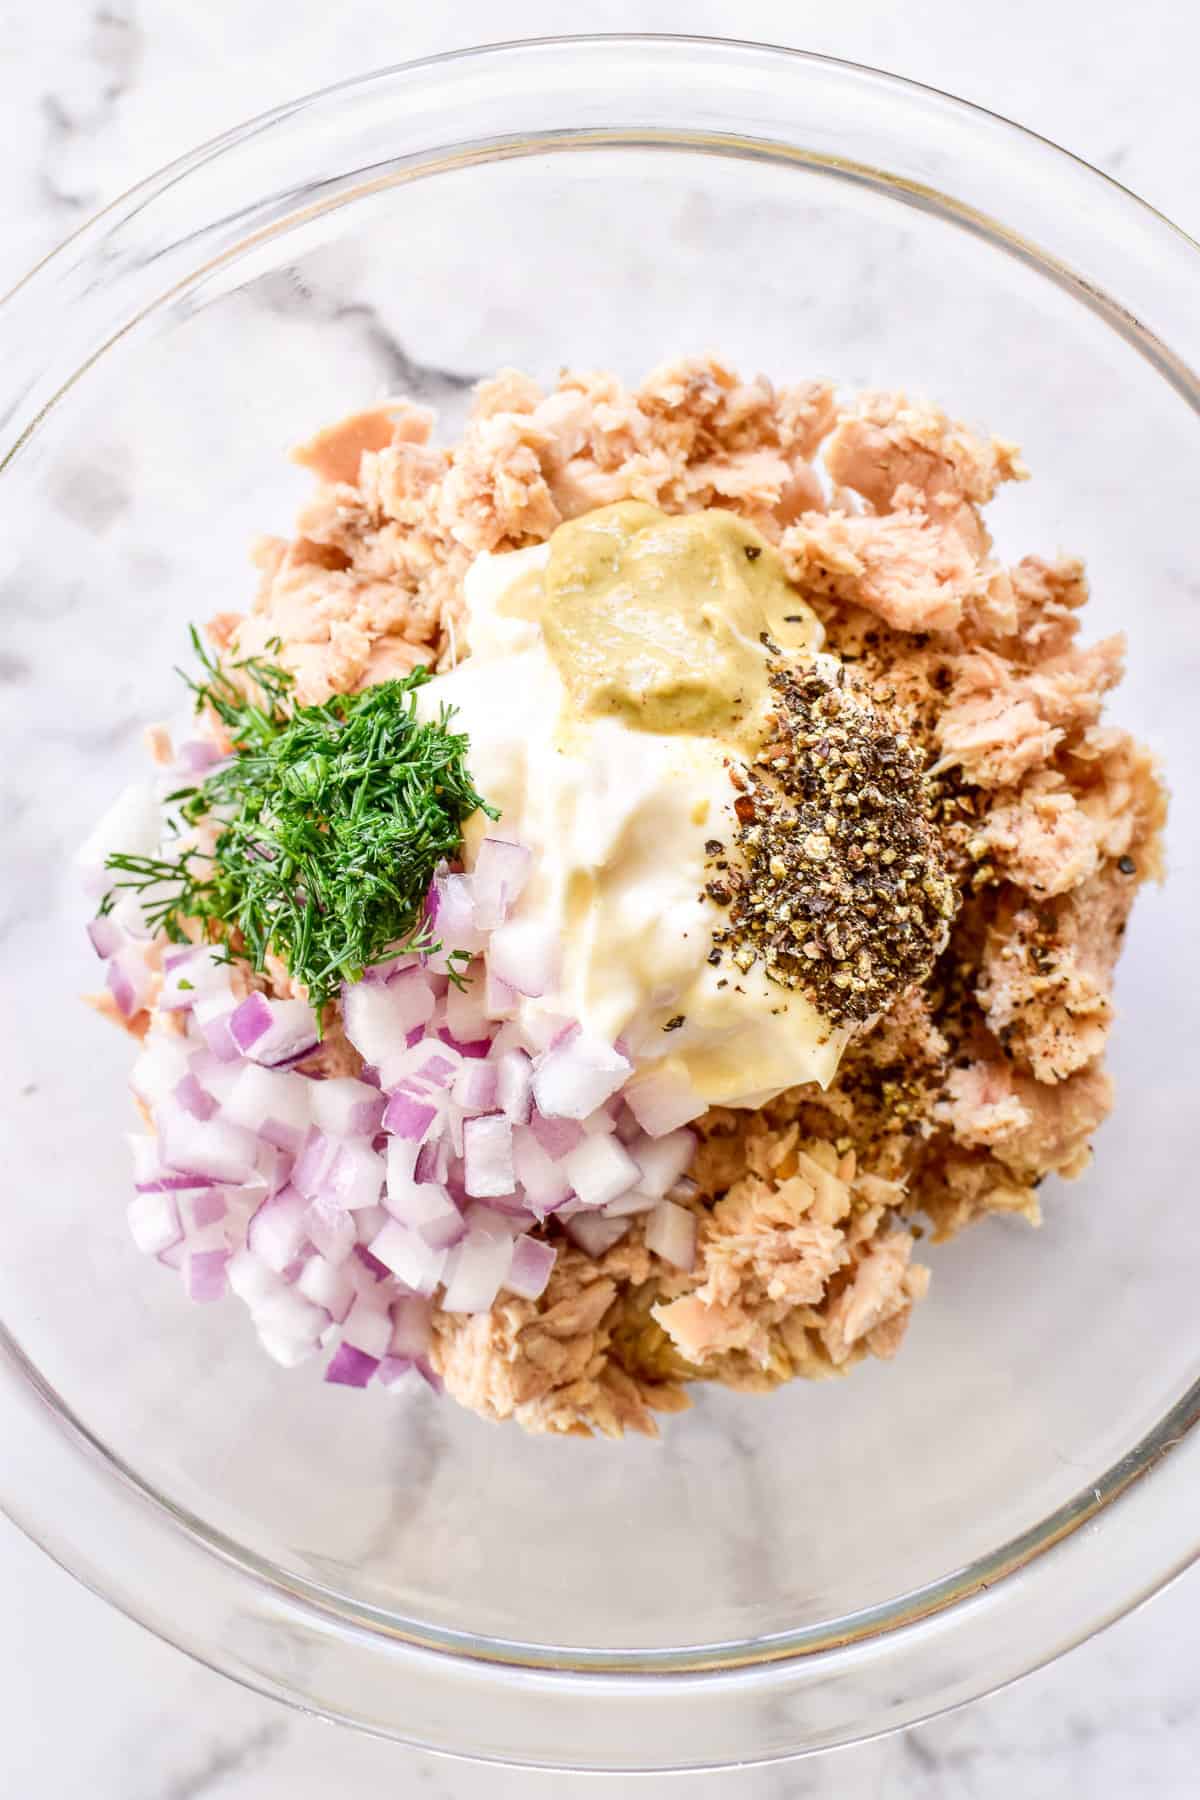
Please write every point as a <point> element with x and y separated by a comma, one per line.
<point>288,1352</point>
<point>556,1136</point>
<point>395,1371</point>
<point>514,1086</point>
<point>408,1117</point>
<point>331,1228</point>
<point>404,1158</point>
<point>106,935</point>
<point>546,1030</point>
<point>663,1160</point>
<point>457,929</point>
<point>367,1327</point>
<point>177,992</point>
<point>530,1268</point>
<point>201,1207</point>
<point>206,1237</point>
<point>345,1107</point>
<point>369,1221</point>
<point>480,1140</point>
<point>543,1185</point>
<point>356,1177</point>
<point>274,1167</point>
<point>661,1099</point>
<point>159,1069</point>
<point>129,981</point>
<point>209,1147</point>
<point>525,954</point>
<point>497,880</point>
<point>289,1138</point>
<point>206,1274</point>
<point>191,977</point>
<point>316,1159</point>
<point>432,1161</point>
<point>378,1019</point>
<point>198,754</point>
<point>685,1189</point>
<point>129,916</point>
<point>500,1001</point>
<point>193,1099</point>
<point>246,1198</point>
<point>480,1268</point>
<point>154,1223</point>
<point>577,1075</point>
<point>477,1047</point>
<point>382,972</point>
<point>169,1182</point>
<point>274,1103</point>
<point>412,1328</point>
<point>438,1070</point>
<point>488,1156</point>
<point>599,1170</point>
<point>277,1229</point>
<point>670,1231</point>
<point>250,1279</point>
<point>454,1180</point>
<point>408,1373</point>
<point>452,1131</point>
<point>214,1028</point>
<point>147,1169</point>
<point>351,1367</point>
<point>273,1032</point>
<point>428,1209</point>
<point>601,1123</point>
<point>475,1086</point>
<point>327,1286</point>
<point>626,1126</point>
<point>372,1270</point>
<point>463,1012</point>
<point>298,1263</point>
<point>512,1208</point>
<point>594,1233</point>
<point>399,1067</point>
<point>289,1315</point>
<point>406,1254</point>
<point>626,1205</point>
<point>506,1037</point>
<point>496,1218</point>
<point>132,824</point>
<point>250,1021</point>
<point>215,1077</point>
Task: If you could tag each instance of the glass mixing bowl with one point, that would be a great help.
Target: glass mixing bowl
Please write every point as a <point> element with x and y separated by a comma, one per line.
<point>782,1573</point>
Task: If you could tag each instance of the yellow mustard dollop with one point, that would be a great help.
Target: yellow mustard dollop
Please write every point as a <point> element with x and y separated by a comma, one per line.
<point>658,620</point>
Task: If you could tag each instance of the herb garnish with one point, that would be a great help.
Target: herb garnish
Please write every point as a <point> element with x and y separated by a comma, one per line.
<point>330,821</point>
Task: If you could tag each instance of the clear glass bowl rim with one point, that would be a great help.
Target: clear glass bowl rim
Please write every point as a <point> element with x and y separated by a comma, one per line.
<point>1122,1537</point>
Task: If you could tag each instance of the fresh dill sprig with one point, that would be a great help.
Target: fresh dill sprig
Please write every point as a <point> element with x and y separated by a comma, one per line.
<point>330,821</point>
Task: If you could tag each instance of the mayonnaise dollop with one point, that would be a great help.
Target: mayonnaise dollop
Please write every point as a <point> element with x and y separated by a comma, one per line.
<point>617,820</point>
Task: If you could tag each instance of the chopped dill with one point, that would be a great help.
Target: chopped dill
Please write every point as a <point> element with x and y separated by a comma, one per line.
<point>329,823</point>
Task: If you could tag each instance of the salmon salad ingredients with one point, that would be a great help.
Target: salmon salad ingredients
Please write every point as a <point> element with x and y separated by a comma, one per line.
<point>629,876</point>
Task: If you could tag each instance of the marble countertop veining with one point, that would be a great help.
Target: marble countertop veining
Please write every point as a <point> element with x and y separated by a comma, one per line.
<point>94,97</point>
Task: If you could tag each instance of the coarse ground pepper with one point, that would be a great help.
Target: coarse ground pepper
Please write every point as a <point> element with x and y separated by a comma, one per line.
<point>836,878</point>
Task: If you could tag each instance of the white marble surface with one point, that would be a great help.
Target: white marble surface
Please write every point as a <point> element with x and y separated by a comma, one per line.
<point>94,97</point>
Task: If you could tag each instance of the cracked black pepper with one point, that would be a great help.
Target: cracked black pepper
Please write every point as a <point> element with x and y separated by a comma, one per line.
<point>835,881</point>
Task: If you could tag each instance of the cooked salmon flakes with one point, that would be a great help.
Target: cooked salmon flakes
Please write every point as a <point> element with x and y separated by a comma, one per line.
<point>977,1082</point>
